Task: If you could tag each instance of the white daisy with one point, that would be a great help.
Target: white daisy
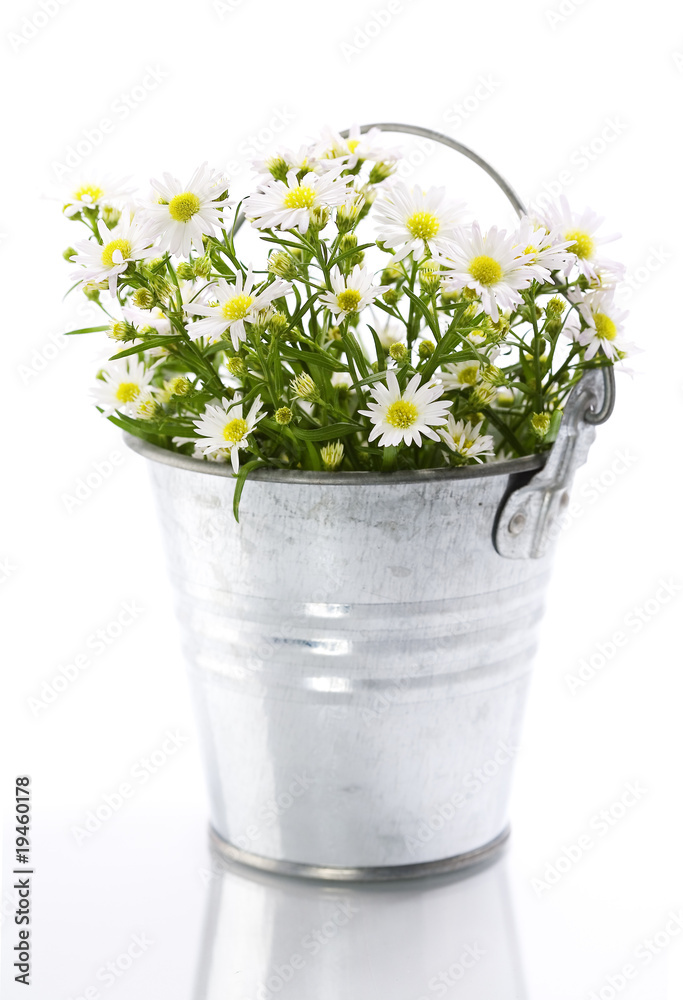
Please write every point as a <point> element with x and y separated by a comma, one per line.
<point>105,261</point>
<point>234,306</point>
<point>281,162</point>
<point>416,222</point>
<point>466,441</point>
<point>604,325</point>
<point>490,263</point>
<point>95,195</point>
<point>122,384</point>
<point>545,250</point>
<point>224,427</point>
<point>405,416</point>
<point>351,293</point>
<point>463,375</point>
<point>581,230</point>
<point>183,213</point>
<point>341,380</point>
<point>142,319</point>
<point>356,147</point>
<point>288,204</point>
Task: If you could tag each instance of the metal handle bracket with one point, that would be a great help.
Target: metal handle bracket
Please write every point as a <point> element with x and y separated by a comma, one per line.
<point>530,518</point>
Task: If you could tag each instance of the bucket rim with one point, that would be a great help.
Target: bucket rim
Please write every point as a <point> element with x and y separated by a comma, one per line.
<point>528,463</point>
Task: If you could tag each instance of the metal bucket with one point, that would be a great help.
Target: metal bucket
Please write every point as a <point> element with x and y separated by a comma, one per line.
<point>359,648</point>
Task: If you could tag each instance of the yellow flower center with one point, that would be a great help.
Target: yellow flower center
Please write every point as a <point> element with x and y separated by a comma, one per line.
<point>353,144</point>
<point>127,392</point>
<point>348,300</point>
<point>89,193</point>
<point>530,250</point>
<point>110,249</point>
<point>300,197</point>
<point>422,225</point>
<point>583,245</point>
<point>485,270</point>
<point>401,414</point>
<point>468,376</point>
<point>184,206</point>
<point>235,430</point>
<point>606,327</point>
<point>237,307</point>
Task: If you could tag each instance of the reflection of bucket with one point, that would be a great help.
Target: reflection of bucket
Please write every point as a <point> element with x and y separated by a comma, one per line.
<point>270,937</point>
<point>360,647</point>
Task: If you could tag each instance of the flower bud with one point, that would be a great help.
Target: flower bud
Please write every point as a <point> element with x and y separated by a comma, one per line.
<point>179,386</point>
<point>68,254</point>
<point>143,298</point>
<point>185,271</point>
<point>540,423</point>
<point>203,266</point>
<point>319,218</point>
<point>283,264</point>
<point>381,170</point>
<point>303,387</point>
<point>349,214</point>
<point>398,351</point>
<point>110,216</point>
<point>493,375</point>
<point>391,296</point>
<point>555,306</point>
<point>426,349</point>
<point>277,324</point>
<point>237,367</point>
<point>277,168</point>
<point>430,278</point>
<point>332,455</point>
<point>283,415</point>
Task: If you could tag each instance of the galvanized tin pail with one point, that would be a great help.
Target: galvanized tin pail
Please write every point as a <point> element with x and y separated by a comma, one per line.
<point>359,648</point>
<point>360,644</point>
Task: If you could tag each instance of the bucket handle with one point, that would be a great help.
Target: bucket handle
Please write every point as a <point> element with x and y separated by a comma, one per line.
<point>530,517</point>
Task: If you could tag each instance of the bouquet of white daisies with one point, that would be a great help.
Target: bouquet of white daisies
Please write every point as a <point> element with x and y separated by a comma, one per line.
<point>380,329</point>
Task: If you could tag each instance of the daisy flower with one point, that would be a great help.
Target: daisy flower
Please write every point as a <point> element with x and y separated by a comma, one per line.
<point>463,375</point>
<point>234,306</point>
<point>184,213</point>
<point>121,385</point>
<point>354,149</point>
<point>604,325</point>
<point>279,164</point>
<point>351,292</point>
<point>466,440</point>
<point>105,261</point>
<point>491,263</point>
<point>144,319</point>
<point>288,204</point>
<point>95,195</point>
<point>224,427</point>
<point>581,230</point>
<point>405,416</point>
<point>545,251</point>
<point>416,222</point>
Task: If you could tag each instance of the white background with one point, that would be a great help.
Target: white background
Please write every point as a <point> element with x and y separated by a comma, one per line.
<point>584,98</point>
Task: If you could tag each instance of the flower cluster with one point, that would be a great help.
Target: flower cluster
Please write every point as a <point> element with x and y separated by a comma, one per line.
<point>432,343</point>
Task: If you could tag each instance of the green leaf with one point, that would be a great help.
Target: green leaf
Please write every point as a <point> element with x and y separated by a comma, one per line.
<point>147,345</point>
<point>328,433</point>
<point>241,478</point>
<point>308,358</point>
<point>349,253</point>
<point>86,329</point>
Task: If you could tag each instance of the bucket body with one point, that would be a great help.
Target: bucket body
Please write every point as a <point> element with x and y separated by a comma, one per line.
<point>359,656</point>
